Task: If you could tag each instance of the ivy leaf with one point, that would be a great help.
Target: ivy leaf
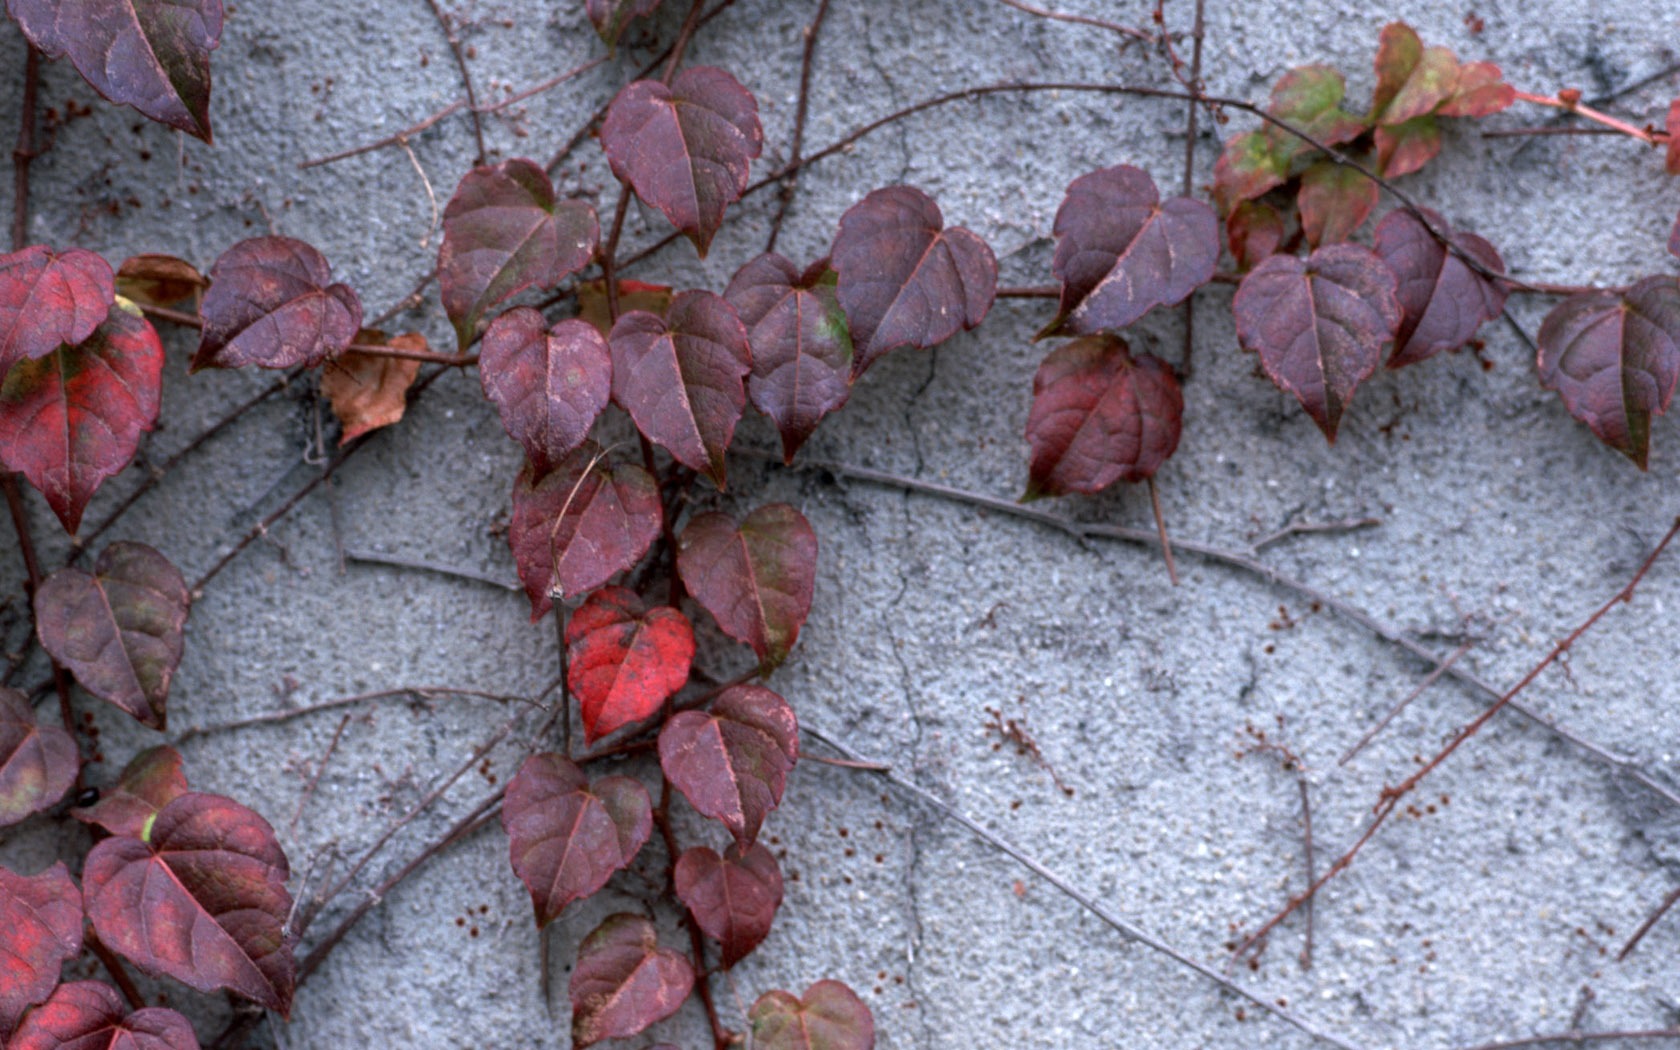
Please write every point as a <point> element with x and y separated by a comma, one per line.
<point>1614,360</point>
<point>1320,324</point>
<point>732,897</point>
<point>1335,200</point>
<point>159,280</point>
<point>1250,165</point>
<point>1412,80</point>
<point>732,763</point>
<point>90,1015</point>
<point>905,280</point>
<point>549,384</point>
<point>40,930</point>
<point>73,418</point>
<point>624,981</point>
<point>201,897</point>
<point>623,659</point>
<point>504,232</point>
<point>38,763</point>
<point>1254,230</point>
<point>370,391</point>
<point>1405,148</point>
<point>611,16</point>
<point>1121,252</point>
<point>755,580</point>
<point>150,781</point>
<point>681,377</point>
<point>1671,158</point>
<point>632,295</point>
<point>578,525</point>
<point>566,836</point>
<point>686,149</point>
<point>50,299</point>
<point>1098,416</point>
<point>1310,98</point>
<point>150,54</point>
<point>271,304</point>
<point>829,1017</point>
<point>119,629</point>
<point>801,347</point>
<point>1481,92</point>
<point>1442,300</point>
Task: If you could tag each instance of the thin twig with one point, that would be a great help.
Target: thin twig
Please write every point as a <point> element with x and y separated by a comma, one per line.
<point>119,973</point>
<point>1084,20</point>
<point>315,780</point>
<point>1312,866</point>
<point>684,35</point>
<point>1161,530</point>
<point>24,153</point>
<point>1187,356</point>
<point>1646,926</point>
<point>1580,109</point>
<point>1370,734</point>
<point>785,197</point>
<point>1302,528</point>
<point>416,692</point>
<point>32,583</point>
<point>400,562</point>
<point>448,26</point>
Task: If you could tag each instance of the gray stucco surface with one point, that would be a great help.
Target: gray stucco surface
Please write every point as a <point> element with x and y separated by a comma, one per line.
<point>1503,522</point>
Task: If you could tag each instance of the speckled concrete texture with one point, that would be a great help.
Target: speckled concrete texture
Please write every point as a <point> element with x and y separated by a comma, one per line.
<point>1486,915</point>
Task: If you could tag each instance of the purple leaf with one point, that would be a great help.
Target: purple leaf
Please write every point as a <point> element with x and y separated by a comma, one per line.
<point>89,1015</point>
<point>50,299</point>
<point>611,16</point>
<point>150,781</point>
<point>40,930</point>
<point>829,1017</point>
<point>624,981</point>
<point>732,763</point>
<point>1098,416</point>
<point>549,384</point>
<point>38,763</point>
<point>271,304</point>
<point>755,580</point>
<point>732,897</point>
<point>1442,300</point>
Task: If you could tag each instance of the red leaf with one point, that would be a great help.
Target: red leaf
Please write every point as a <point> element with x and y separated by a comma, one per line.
<point>201,898</point>
<point>830,1017</point>
<point>40,930</point>
<point>370,391</point>
<point>566,836</point>
<point>1121,252</point>
<point>733,898</point>
<point>611,16</point>
<point>1255,231</point>
<point>1250,165</point>
<point>159,280</point>
<point>37,763</point>
<point>801,348</point>
<point>150,781</point>
<point>1310,98</point>
<point>1100,416</point>
<point>756,580</point>
<point>504,232</point>
<point>88,1015</point>
<point>142,53</point>
<point>1442,300</point>
<point>1614,359</point>
<point>548,384</point>
<point>1414,81</point>
<point>1335,200</point>
<point>50,299</point>
<point>1405,148</point>
<point>905,280</point>
<point>732,763</point>
<point>1320,324</point>
<point>685,149</point>
<point>577,526</point>
<point>119,628</point>
<point>1671,160</point>
<point>1481,92</point>
<point>271,305</point>
<point>624,981</point>
<point>681,377</point>
<point>623,659</point>
<point>73,418</point>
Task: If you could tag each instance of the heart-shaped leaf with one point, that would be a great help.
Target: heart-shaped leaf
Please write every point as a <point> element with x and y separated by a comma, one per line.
<point>686,149</point>
<point>1310,98</point>
<point>1335,200</point>
<point>149,54</point>
<point>1251,164</point>
<point>89,1015</point>
<point>567,836</point>
<point>200,898</point>
<point>755,580</point>
<point>623,659</point>
<point>50,299</point>
<point>732,762</point>
<point>37,763</point>
<point>580,524</point>
<point>40,930</point>
<point>73,418</point>
<point>119,628</point>
<point>1255,231</point>
<point>905,280</point>
<point>1415,81</point>
<point>829,1017</point>
<point>151,780</point>
<point>801,348</point>
<point>1442,300</point>
<point>1320,324</point>
<point>611,16</point>
<point>1614,360</point>
<point>549,384</point>
<point>681,377</point>
<point>1121,252</point>
<point>370,391</point>
<point>1098,416</point>
<point>1405,148</point>
<point>159,280</point>
<point>504,232</point>
<point>271,304</point>
<point>624,981</point>
<point>732,897</point>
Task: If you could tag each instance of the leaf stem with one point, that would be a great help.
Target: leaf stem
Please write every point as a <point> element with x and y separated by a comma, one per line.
<point>1161,529</point>
<point>24,153</point>
<point>785,197</point>
<point>1576,106</point>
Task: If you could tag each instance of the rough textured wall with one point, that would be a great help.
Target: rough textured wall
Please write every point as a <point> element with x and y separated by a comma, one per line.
<point>1503,522</point>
